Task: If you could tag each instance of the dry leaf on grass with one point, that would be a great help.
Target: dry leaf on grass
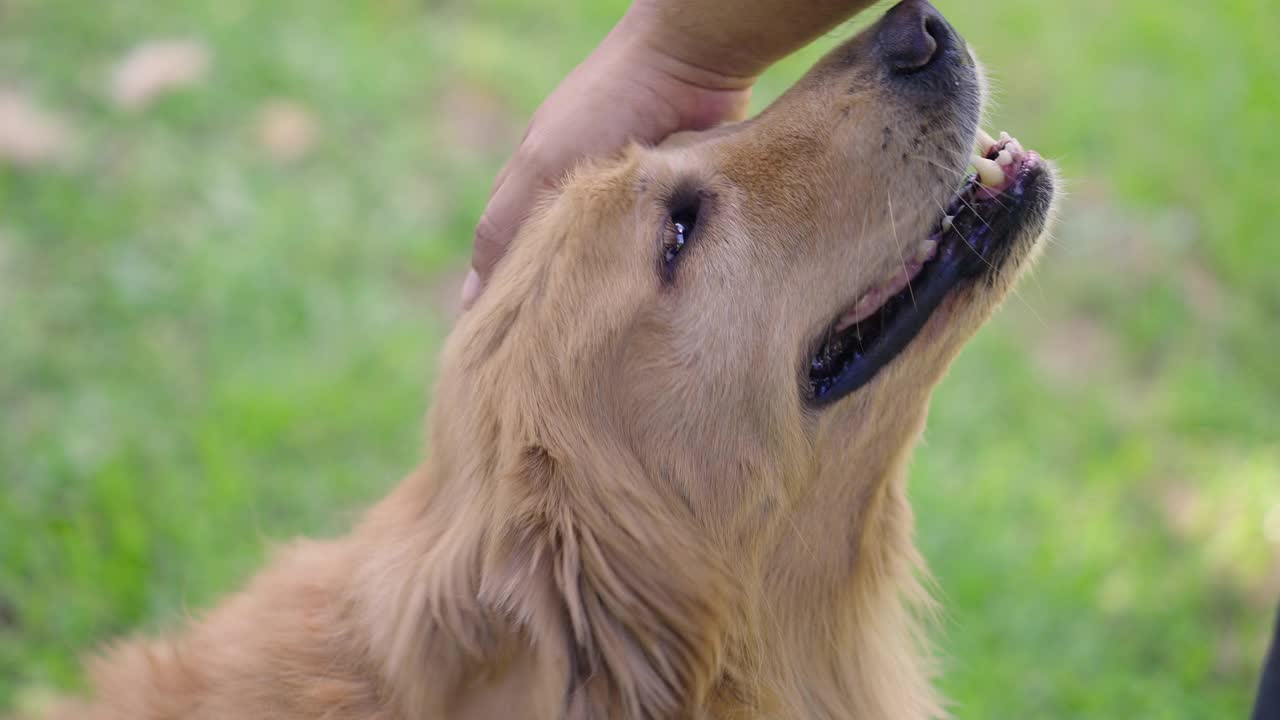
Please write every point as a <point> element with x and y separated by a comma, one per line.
<point>30,136</point>
<point>286,130</point>
<point>155,68</point>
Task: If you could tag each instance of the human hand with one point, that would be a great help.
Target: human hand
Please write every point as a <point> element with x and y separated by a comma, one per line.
<point>631,88</point>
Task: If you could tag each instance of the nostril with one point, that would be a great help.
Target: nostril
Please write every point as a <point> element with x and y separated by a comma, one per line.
<point>937,29</point>
<point>911,35</point>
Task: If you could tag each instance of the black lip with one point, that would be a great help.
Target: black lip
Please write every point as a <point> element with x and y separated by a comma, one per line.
<point>982,237</point>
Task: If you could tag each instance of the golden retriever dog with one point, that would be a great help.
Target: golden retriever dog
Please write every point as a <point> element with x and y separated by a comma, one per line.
<point>668,447</point>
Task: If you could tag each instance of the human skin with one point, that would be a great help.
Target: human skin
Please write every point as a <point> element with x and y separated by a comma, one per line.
<point>667,66</point>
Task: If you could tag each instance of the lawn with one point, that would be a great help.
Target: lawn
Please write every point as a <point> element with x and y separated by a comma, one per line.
<point>219,308</point>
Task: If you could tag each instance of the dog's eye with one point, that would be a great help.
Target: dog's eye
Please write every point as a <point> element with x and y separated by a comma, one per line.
<point>680,227</point>
<point>677,236</point>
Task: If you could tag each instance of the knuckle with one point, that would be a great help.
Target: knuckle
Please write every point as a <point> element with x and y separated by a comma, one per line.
<point>488,241</point>
<point>536,156</point>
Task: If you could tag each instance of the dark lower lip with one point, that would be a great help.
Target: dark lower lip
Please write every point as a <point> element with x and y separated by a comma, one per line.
<point>981,239</point>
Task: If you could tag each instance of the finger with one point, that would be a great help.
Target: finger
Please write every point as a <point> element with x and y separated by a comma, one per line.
<point>472,285</point>
<point>470,289</point>
<point>499,222</point>
<point>502,217</point>
<point>500,179</point>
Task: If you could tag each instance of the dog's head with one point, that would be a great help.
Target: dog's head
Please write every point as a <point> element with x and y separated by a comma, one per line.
<point>718,345</point>
<point>739,306</point>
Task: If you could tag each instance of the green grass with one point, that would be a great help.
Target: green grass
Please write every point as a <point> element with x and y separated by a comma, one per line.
<point>204,349</point>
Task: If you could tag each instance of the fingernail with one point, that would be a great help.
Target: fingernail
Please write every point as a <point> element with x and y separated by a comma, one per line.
<point>470,289</point>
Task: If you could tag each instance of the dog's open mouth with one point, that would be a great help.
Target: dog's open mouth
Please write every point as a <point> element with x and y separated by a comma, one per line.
<point>973,237</point>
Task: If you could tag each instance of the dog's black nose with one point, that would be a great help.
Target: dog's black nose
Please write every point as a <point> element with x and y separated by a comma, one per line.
<point>911,35</point>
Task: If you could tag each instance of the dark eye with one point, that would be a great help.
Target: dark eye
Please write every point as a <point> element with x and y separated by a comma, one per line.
<point>679,230</point>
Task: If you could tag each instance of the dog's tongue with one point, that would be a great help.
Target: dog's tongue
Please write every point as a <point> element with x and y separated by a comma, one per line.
<point>874,298</point>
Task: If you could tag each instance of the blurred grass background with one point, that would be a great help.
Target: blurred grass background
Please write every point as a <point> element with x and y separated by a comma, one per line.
<point>219,307</point>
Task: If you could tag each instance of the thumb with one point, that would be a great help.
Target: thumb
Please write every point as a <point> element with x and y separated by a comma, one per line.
<point>508,208</point>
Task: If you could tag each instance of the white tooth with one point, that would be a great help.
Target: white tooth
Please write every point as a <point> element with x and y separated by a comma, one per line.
<point>1014,146</point>
<point>1004,158</point>
<point>925,250</point>
<point>985,142</point>
<point>989,173</point>
<point>1005,137</point>
<point>946,222</point>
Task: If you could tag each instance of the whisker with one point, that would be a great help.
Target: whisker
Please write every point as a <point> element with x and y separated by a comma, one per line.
<point>995,195</point>
<point>1014,290</point>
<point>862,234</point>
<point>974,250</point>
<point>931,161</point>
<point>959,173</point>
<point>901,258</point>
<point>1029,306</point>
<point>968,244</point>
<point>975,213</point>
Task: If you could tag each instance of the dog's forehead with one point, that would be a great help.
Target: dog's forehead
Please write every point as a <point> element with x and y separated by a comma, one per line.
<point>748,154</point>
<point>663,169</point>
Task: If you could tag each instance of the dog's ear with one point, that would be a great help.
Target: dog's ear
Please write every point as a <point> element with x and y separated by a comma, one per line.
<point>561,588</point>
<point>586,562</point>
<point>448,643</point>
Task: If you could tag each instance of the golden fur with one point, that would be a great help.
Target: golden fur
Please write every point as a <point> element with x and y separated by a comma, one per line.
<point>629,511</point>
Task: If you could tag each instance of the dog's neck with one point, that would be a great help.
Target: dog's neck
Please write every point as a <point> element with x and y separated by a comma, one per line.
<point>573,587</point>
<point>842,629</point>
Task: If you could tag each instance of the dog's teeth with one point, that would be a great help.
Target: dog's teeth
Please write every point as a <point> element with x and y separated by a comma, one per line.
<point>989,173</point>
<point>985,142</point>
<point>1014,146</point>
<point>1004,158</point>
<point>924,250</point>
<point>946,222</point>
<point>1005,137</point>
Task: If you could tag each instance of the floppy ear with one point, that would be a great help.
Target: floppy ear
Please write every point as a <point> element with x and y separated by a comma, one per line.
<point>585,560</point>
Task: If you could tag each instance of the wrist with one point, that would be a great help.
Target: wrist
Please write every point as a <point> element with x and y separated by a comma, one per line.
<point>667,49</point>
<point>698,56</point>
<point>703,92</point>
